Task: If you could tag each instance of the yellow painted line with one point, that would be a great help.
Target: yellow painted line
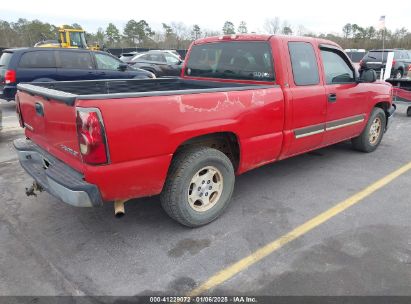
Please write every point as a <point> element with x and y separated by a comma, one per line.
<point>268,249</point>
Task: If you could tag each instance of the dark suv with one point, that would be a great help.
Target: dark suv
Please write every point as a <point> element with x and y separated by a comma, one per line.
<point>377,59</point>
<point>59,64</point>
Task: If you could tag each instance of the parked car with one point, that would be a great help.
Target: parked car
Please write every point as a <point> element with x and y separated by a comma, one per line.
<point>54,64</point>
<point>173,52</point>
<point>242,102</point>
<point>126,57</point>
<point>377,59</point>
<point>161,63</point>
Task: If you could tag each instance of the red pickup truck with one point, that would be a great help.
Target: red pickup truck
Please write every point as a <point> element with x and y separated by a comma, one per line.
<point>242,101</point>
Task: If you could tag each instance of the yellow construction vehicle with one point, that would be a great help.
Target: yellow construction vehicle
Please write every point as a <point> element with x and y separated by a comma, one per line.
<point>68,38</point>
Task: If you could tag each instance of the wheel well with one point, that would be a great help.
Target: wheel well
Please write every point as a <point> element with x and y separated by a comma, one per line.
<point>226,142</point>
<point>383,105</point>
<point>149,70</point>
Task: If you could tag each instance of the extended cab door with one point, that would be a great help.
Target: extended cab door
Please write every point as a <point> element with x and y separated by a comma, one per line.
<point>307,105</point>
<point>346,99</point>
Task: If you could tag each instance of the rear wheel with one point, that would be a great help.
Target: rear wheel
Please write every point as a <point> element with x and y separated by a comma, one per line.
<point>373,132</point>
<point>198,187</point>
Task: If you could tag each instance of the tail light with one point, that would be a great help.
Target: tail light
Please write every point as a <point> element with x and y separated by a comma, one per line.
<point>361,62</point>
<point>18,111</point>
<point>10,76</point>
<point>393,62</point>
<point>91,136</point>
<point>409,68</point>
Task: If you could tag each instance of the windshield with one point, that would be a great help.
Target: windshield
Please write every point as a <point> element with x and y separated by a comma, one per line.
<point>78,39</point>
<point>5,59</point>
<point>231,60</point>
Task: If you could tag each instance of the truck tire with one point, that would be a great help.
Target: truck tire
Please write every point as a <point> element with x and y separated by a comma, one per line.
<point>199,186</point>
<point>373,132</point>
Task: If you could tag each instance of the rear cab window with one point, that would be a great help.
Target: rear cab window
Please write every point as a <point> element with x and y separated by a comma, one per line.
<point>231,60</point>
<point>38,59</point>
<point>304,63</point>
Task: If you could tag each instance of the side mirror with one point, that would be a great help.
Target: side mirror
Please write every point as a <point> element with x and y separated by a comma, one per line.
<point>368,76</point>
<point>122,66</point>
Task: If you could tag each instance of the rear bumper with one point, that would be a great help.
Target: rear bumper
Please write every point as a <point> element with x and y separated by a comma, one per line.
<point>55,177</point>
<point>8,92</point>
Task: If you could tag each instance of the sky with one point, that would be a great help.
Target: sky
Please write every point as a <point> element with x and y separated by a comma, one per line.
<point>316,16</point>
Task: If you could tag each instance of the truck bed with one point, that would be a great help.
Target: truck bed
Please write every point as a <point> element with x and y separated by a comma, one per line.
<point>69,91</point>
<point>401,88</point>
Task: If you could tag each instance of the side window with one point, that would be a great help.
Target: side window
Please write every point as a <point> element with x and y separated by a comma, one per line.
<point>38,59</point>
<point>75,60</point>
<point>157,58</point>
<point>304,63</point>
<point>105,62</point>
<point>171,59</point>
<point>143,57</point>
<point>336,69</point>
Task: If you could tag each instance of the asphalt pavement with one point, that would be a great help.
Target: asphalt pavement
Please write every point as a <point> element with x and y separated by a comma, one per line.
<point>49,248</point>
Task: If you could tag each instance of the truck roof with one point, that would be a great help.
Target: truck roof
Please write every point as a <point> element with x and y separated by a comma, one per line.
<point>262,37</point>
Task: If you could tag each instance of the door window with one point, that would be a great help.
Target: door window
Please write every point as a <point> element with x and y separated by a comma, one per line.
<point>304,63</point>
<point>105,62</point>
<point>145,57</point>
<point>172,59</point>
<point>157,58</point>
<point>336,68</point>
<point>75,60</point>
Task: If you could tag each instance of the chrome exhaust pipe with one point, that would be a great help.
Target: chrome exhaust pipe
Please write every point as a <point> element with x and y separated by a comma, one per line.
<point>119,209</point>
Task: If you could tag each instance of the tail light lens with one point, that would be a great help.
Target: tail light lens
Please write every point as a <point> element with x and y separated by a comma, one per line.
<point>10,76</point>
<point>361,62</point>
<point>393,62</point>
<point>91,136</point>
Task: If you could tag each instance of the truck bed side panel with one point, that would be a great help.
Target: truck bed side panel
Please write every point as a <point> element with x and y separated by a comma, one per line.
<point>143,133</point>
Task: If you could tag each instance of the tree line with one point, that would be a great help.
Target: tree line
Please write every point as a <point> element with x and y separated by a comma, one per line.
<point>177,35</point>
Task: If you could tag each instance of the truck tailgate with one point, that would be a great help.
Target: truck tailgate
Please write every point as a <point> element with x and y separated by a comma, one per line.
<point>51,124</point>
